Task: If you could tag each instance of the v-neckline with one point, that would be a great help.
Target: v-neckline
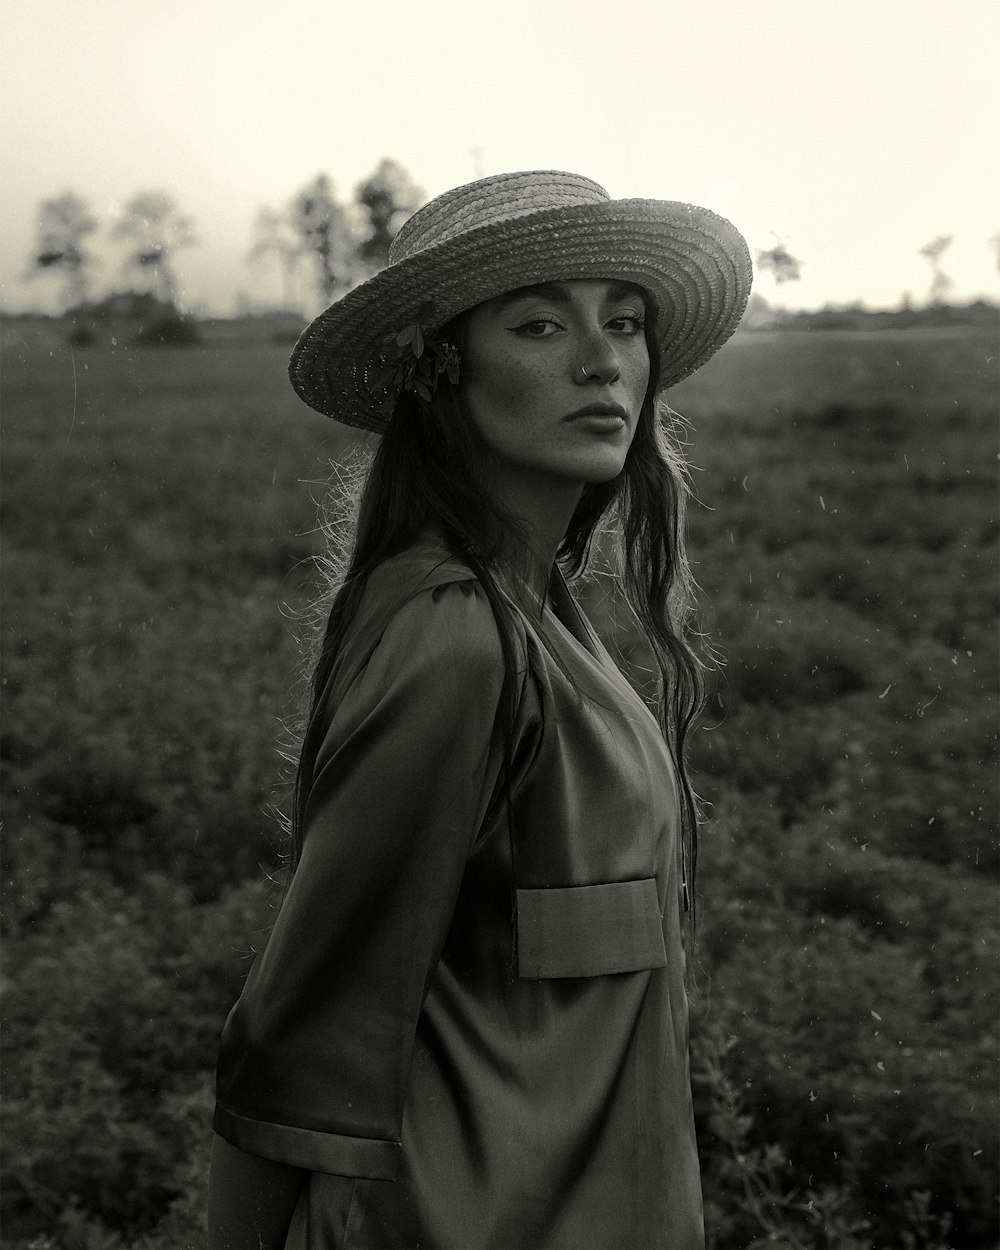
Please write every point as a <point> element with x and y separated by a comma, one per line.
<point>566,612</point>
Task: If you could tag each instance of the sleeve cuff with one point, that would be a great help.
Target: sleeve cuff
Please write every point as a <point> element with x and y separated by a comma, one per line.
<point>334,1153</point>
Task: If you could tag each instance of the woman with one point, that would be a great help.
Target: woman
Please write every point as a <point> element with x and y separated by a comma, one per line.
<point>469,1027</point>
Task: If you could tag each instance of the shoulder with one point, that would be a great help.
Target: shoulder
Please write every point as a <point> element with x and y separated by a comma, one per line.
<point>441,622</point>
<point>424,609</point>
<point>426,566</point>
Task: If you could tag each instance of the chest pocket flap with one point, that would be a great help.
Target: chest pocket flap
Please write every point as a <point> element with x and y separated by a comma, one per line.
<point>589,930</point>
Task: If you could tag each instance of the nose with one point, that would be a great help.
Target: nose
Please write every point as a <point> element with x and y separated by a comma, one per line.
<point>599,363</point>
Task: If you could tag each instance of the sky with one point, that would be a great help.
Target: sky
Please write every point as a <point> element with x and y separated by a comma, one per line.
<point>852,132</point>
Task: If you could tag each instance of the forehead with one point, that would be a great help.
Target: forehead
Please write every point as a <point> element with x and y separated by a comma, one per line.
<point>605,290</point>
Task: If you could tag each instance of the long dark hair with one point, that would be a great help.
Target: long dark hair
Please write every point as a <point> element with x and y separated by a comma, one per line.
<point>431,468</point>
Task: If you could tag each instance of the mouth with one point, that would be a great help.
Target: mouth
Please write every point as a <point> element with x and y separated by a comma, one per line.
<point>606,411</point>
<point>600,419</point>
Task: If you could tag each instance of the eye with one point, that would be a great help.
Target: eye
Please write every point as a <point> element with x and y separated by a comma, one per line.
<point>628,323</point>
<point>538,328</point>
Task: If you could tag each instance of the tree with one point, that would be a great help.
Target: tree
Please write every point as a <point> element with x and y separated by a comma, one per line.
<point>932,252</point>
<point>388,196</point>
<point>276,238</point>
<point>783,265</point>
<point>63,226</point>
<point>155,228</point>
<point>323,232</point>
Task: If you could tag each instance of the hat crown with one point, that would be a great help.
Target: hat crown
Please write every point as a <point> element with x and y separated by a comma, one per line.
<point>488,201</point>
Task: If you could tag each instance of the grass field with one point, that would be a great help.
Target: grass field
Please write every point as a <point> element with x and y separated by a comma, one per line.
<point>158,517</point>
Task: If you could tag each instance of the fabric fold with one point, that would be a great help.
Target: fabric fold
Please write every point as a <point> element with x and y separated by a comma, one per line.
<point>333,1153</point>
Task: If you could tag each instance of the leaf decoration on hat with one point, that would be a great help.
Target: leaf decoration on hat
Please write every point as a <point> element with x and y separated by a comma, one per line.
<point>414,359</point>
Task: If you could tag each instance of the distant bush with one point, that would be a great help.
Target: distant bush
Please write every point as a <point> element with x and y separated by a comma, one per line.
<point>169,331</point>
<point>81,335</point>
<point>129,305</point>
<point>879,423</point>
<point>287,335</point>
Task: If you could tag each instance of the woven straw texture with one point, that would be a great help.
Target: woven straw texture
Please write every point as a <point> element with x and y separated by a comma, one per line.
<point>511,230</point>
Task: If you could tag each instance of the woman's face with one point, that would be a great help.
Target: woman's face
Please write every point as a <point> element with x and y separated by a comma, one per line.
<point>553,377</point>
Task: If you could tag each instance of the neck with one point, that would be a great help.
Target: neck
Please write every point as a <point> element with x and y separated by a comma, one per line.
<point>544,505</point>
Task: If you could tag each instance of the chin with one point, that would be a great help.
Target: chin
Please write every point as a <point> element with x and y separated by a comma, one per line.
<point>602,469</point>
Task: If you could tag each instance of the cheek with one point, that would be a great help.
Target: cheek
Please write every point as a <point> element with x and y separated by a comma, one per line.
<point>501,396</point>
<point>638,376</point>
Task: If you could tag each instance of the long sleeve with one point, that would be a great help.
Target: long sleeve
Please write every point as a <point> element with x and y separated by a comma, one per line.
<point>315,1055</point>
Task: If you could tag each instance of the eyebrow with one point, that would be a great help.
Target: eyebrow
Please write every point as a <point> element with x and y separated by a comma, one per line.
<point>560,294</point>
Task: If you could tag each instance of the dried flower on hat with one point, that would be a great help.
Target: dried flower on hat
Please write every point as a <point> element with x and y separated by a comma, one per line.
<point>414,360</point>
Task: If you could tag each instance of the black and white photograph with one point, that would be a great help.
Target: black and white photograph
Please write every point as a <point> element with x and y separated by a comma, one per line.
<point>499,650</point>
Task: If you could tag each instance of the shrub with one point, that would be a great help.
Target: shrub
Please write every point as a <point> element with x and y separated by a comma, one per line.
<point>107,1091</point>
<point>168,331</point>
<point>865,1091</point>
<point>81,335</point>
<point>794,654</point>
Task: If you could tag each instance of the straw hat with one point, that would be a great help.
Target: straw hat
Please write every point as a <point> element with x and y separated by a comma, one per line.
<point>511,230</point>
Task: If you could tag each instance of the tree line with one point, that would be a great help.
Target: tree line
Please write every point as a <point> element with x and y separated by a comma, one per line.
<point>783,267</point>
<point>315,237</point>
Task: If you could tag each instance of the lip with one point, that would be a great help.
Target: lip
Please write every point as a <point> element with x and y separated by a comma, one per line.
<point>600,410</point>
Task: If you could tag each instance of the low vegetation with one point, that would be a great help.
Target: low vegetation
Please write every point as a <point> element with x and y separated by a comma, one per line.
<point>159,517</point>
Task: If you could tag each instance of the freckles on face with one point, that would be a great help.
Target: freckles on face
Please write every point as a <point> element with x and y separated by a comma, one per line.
<point>554,377</point>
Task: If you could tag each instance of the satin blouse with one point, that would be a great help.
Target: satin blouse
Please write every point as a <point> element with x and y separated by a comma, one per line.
<point>469,1023</point>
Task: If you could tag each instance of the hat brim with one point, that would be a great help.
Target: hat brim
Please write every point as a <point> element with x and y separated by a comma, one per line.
<point>694,263</point>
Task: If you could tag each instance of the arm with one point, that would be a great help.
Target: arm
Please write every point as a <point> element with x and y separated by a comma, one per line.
<point>315,1055</point>
<point>250,1199</point>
